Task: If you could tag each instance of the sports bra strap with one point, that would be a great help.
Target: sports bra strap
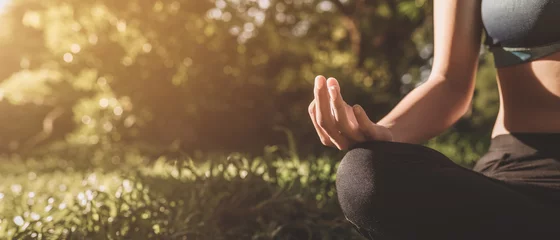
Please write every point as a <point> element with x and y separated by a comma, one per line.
<point>506,56</point>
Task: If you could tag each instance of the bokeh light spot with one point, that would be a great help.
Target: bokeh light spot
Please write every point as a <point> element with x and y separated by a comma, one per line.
<point>86,119</point>
<point>214,13</point>
<point>18,220</point>
<point>121,26</point>
<point>16,188</point>
<point>107,126</point>
<point>75,48</point>
<point>249,27</point>
<point>30,18</point>
<point>104,102</point>
<point>147,47</point>
<point>102,81</point>
<point>127,61</point>
<point>129,121</point>
<point>118,111</point>
<point>158,6</point>
<point>221,4</point>
<point>93,39</point>
<point>68,57</point>
<point>325,6</point>
<point>35,216</point>
<point>187,62</point>
<point>174,7</point>
<point>264,4</point>
<point>226,17</point>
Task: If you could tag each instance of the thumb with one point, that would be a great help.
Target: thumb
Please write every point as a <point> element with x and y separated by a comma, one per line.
<point>368,128</point>
<point>364,123</point>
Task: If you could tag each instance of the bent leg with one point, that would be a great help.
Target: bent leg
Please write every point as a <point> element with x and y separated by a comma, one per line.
<point>404,191</point>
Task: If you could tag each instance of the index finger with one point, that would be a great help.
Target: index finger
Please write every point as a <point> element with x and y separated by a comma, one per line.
<point>324,137</point>
<point>325,119</point>
<point>339,108</point>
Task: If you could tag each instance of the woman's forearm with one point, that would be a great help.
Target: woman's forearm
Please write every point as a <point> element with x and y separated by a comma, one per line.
<point>428,110</point>
<point>433,107</point>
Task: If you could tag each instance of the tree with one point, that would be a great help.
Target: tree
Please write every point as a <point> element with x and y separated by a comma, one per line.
<point>215,75</point>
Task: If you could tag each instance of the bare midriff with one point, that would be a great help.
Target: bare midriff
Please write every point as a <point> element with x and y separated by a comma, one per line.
<point>529,97</point>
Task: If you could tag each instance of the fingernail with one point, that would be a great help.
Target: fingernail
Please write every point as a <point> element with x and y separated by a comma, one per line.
<point>332,92</point>
<point>318,81</point>
<point>356,109</point>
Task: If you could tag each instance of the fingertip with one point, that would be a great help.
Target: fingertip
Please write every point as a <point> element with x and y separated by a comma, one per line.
<point>361,116</point>
<point>319,80</point>
<point>332,82</point>
<point>357,109</point>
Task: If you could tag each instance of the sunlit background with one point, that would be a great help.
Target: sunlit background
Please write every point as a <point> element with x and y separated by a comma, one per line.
<point>3,4</point>
<point>187,119</point>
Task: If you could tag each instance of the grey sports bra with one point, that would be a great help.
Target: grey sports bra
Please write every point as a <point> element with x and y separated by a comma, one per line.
<point>519,31</point>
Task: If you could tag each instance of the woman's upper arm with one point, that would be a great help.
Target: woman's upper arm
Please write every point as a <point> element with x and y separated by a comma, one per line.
<point>457,38</point>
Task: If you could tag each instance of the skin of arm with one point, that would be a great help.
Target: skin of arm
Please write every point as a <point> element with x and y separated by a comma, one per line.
<point>438,103</point>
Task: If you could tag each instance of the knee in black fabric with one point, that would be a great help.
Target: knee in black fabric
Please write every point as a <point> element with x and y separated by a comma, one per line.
<point>357,184</point>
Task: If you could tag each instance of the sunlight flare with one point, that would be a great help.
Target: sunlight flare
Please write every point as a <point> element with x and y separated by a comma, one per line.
<point>3,4</point>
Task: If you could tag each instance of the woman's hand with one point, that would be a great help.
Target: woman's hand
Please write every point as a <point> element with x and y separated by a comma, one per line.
<point>337,123</point>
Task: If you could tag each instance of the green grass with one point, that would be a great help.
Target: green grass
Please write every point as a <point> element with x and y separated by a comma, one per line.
<point>108,194</point>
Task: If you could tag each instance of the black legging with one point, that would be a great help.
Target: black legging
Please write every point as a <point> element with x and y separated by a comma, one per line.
<point>393,190</point>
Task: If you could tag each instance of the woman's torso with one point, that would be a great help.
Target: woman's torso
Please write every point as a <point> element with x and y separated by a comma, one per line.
<point>529,97</point>
<point>525,41</point>
<point>529,85</point>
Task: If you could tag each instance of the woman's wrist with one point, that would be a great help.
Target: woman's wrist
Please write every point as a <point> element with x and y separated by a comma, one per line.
<point>385,132</point>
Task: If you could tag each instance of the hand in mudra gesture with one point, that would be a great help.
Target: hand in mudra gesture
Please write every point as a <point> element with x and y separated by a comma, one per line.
<point>339,124</point>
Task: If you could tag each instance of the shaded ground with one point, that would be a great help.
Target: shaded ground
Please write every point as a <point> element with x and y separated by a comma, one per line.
<point>103,195</point>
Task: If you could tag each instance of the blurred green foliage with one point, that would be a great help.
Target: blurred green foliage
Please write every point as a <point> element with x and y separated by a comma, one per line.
<point>205,75</point>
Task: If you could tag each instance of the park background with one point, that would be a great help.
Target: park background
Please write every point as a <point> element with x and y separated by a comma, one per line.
<point>187,119</point>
